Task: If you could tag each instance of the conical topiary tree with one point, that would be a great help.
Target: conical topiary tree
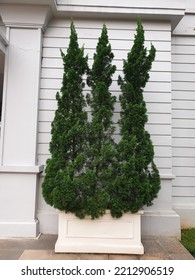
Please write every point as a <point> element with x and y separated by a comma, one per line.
<point>64,178</point>
<point>137,179</point>
<point>101,144</point>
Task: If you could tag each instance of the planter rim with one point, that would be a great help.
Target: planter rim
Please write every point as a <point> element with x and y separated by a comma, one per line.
<point>140,212</point>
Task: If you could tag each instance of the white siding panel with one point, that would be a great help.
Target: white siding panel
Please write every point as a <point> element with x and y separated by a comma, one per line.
<point>121,35</point>
<point>181,191</point>
<point>163,46</point>
<point>180,40</point>
<point>183,182</point>
<point>186,77</point>
<point>48,94</point>
<point>45,116</point>
<point>184,200</point>
<point>162,140</point>
<point>44,138</point>
<point>51,84</point>
<point>48,105</point>
<point>183,123</point>
<point>153,97</point>
<point>180,162</point>
<point>186,171</point>
<point>184,132</point>
<point>151,86</point>
<point>120,51</point>
<point>44,127</point>
<point>178,49</point>
<point>183,68</point>
<point>52,63</point>
<point>94,33</point>
<point>183,58</point>
<point>184,114</point>
<point>183,95</point>
<point>184,143</point>
<point>183,152</point>
<point>183,85</point>
<point>183,103</point>
<point>57,73</point>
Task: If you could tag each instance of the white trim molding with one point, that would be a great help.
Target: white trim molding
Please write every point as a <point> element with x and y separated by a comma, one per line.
<point>167,10</point>
<point>22,169</point>
<point>26,16</point>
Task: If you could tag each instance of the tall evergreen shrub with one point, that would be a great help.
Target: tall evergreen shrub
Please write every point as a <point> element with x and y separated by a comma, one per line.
<point>62,186</point>
<point>101,148</point>
<point>137,179</point>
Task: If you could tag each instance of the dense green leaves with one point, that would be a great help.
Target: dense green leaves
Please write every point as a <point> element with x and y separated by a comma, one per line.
<point>102,105</point>
<point>101,147</point>
<point>137,179</point>
<point>82,151</point>
<point>88,172</point>
<point>69,129</point>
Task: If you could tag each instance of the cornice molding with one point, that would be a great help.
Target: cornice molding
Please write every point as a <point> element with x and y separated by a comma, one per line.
<point>25,16</point>
<point>165,10</point>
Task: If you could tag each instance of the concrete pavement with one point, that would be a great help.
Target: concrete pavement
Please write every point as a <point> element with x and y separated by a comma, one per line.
<point>42,248</point>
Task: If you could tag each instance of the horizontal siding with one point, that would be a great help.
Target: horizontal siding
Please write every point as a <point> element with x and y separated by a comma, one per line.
<point>52,60</point>
<point>155,86</point>
<point>56,73</point>
<point>152,118</point>
<point>121,35</point>
<point>183,119</point>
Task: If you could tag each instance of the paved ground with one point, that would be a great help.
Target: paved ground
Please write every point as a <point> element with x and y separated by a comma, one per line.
<point>156,248</point>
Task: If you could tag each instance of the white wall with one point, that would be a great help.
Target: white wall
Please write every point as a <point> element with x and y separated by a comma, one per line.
<point>183,95</point>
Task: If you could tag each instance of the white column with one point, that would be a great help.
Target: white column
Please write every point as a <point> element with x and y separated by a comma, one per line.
<point>19,171</point>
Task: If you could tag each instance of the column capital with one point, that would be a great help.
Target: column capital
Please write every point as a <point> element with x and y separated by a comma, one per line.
<point>26,16</point>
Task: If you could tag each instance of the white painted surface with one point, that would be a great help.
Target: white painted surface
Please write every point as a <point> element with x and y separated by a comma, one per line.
<point>21,107</point>
<point>103,235</point>
<point>18,166</point>
<point>17,205</point>
<point>152,9</point>
<point>183,76</point>
<point>25,16</point>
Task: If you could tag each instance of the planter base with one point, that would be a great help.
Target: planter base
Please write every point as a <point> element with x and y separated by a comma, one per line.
<point>104,235</point>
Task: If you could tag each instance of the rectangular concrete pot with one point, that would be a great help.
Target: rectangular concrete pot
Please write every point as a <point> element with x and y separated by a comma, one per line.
<point>103,235</point>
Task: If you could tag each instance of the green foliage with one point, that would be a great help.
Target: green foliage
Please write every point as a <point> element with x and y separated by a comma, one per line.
<point>82,152</point>
<point>64,176</point>
<point>101,145</point>
<point>88,172</point>
<point>188,240</point>
<point>137,179</point>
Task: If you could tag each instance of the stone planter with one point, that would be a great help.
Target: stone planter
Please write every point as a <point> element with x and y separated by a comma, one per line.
<point>103,235</point>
